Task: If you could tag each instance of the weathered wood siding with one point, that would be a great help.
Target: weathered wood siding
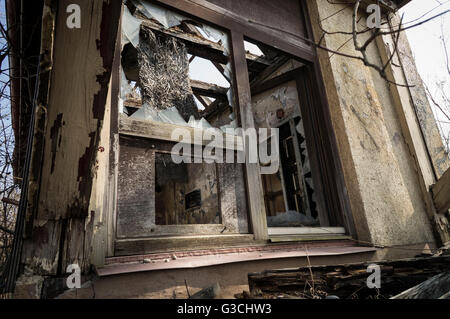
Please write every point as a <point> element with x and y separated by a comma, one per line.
<point>61,230</point>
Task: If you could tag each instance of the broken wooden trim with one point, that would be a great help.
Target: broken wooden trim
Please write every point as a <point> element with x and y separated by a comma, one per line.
<point>200,90</point>
<point>348,280</point>
<point>198,46</point>
<point>235,252</point>
<point>260,78</point>
<point>195,45</point>
<point>163,131</point>
<point>204,100</point>
<point>207,293</point>
<point>208,89</point>
<point>239,23</point>
<point>134,103</point>
<point>441,193</point>
<point>216,107</point>
<point>433,288</point>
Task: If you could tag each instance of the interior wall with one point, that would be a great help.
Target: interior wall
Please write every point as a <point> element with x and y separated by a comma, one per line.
<point>379,170</point>
<point>173,189</point>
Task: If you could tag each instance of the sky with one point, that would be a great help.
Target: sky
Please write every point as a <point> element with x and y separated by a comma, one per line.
<point>427,47</point>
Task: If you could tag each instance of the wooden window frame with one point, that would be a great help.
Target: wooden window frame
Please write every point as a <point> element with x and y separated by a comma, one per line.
<point>323,145</point>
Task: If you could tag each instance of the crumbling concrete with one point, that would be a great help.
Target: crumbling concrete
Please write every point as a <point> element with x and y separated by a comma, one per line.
<point>379,168</point>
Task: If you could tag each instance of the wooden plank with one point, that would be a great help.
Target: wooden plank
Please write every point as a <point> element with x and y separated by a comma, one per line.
<point>174,243</point>
<point>195,44</point>
<point>163,131</point>
<point>255,193</point>
<point>239,23</point>
<point>204,100</point>
<point>199,88</point>
<point>433,288</point>
<point>305,230</point>
<point>216,107</point>
<point>272,18</point>
<point>208,89</point>
<point>136,189</point>
<point>74,114</point>
<point>441,193</point>
<point>348,280</point>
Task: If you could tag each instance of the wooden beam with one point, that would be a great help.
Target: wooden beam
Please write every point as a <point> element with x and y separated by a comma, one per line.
<point>215,107</point>
<point>433,288</point>
<point>204,100</point>
<point>208,89</point>
<point>216,15</point>
<point>135,103</point>
<point>199,88</point>
<point>441,193</point>
<point>255,193</point>
<point>221,69</point>
<point>163,131</point>
<point>126,247</point>
<point>268,71</point>
<point>195,44</point>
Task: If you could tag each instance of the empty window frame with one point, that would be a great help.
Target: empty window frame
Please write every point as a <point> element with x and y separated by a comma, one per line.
<point>291,197</point>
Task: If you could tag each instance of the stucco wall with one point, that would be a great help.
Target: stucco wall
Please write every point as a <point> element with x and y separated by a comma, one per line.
<point>379,168</point>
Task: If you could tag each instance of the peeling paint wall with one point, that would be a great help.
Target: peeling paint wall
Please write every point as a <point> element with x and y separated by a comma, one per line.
<point>61,225</point>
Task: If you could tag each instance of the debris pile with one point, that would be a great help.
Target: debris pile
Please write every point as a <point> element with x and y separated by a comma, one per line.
<point>416,278</point>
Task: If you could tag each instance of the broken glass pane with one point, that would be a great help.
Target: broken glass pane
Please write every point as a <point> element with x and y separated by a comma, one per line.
<point>175,70</point>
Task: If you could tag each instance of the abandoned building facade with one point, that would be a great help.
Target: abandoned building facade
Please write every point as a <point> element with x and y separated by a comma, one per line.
<point>360,156</point>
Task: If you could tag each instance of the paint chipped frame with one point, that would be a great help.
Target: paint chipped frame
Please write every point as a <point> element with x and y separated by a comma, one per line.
<point>328,157</point>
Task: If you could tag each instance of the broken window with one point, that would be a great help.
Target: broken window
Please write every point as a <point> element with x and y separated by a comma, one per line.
<point>185,193</point>
<point>289,194</point>
<point>174,69</point>
<point>157,197</point>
